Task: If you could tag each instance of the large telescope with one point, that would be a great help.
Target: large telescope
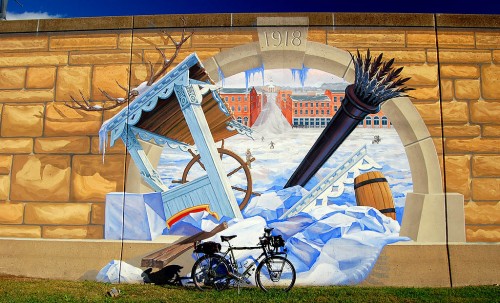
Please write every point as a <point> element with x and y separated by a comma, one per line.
<point>375,82</point>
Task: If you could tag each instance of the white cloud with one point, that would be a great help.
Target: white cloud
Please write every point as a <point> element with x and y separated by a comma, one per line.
<point>31,15</point>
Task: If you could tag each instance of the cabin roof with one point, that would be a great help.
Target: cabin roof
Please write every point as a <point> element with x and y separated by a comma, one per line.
<point>158,111</point>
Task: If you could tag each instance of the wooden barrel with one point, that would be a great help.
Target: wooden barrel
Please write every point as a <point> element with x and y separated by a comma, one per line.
<point>372,189</point>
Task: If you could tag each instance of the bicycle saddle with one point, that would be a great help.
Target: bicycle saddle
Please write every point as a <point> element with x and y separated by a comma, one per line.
<point>227,238</point>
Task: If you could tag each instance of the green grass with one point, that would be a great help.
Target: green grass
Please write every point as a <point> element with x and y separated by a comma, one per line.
<point>15,289</point>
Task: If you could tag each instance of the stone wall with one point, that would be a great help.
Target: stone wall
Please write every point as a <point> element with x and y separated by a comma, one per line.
<point>52,178</point>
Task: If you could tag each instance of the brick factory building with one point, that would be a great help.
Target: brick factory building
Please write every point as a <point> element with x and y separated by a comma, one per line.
<point>245,105</point>
<point>285,104</point>
<point>311,110</point>
<point>316,110</point>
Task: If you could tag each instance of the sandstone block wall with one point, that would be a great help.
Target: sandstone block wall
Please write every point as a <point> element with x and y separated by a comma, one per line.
<point>52,178</point>
<point>53,181</point>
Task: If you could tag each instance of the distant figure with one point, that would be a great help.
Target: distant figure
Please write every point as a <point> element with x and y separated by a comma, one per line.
<point>376,139</point>
<point>271,145</point>
<point>249,158</point>
<point>262,138</point>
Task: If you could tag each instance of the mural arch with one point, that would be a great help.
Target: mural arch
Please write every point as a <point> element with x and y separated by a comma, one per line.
<point>424,217</point>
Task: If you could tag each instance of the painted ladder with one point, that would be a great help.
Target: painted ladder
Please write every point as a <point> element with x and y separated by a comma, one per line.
<point>328,181</point>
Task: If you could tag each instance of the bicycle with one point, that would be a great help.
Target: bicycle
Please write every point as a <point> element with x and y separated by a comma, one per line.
<point>216,269</point>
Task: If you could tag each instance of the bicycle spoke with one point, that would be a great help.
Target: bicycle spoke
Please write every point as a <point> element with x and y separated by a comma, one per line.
<point>210,271</point>
<point>276,273</point>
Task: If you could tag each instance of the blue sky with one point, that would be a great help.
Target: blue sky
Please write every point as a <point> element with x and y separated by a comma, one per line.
<point>33,9</point>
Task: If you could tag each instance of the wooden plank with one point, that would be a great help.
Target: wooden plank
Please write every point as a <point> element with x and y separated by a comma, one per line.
<point>178,250</point>
<point>163,256</point>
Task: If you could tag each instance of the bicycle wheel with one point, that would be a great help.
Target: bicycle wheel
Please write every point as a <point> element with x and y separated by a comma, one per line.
<point>275,273</point>
<point>210,272</point>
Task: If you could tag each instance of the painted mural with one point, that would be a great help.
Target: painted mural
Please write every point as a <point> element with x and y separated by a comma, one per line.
<point>340,147</point>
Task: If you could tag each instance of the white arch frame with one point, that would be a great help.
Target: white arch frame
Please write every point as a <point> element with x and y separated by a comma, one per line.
<point>424,218</point>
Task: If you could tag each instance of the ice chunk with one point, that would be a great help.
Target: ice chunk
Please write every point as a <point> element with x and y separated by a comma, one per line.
<point>272,205</point>
<point>193,224</point>
<point>119,272</point>
<point>132,216</point>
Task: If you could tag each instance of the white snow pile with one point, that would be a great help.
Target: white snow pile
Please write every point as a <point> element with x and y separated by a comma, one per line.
<point>271,120</point>
<point>329,245</point>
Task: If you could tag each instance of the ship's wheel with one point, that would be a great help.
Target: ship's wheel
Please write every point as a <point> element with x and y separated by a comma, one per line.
<point>237,171</point>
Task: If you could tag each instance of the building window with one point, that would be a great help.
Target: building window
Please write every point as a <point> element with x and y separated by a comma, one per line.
<point>334,99</point>
<point>232,109</point>
<point>376,121</point>
<point>226,98</point>
<point>245,109</point>
<point>368,120</point>
<point>306,111</point>
<point>295,111</point>
<point>295,104</point>
<point>317,122</point>
<point>232,98</point>
<point>322,111</point>
<point>295,121</point>
<point>317,112</point>
<point>327,111</point>
<point>301,112</point>
<point>238,119</point>
<point>317,104</point>
<point>239,108</point>
<point>335,108</point>
<point>307,104</point>
<point>384,121</point>
<point>300,104</point>
<point>245,120</point>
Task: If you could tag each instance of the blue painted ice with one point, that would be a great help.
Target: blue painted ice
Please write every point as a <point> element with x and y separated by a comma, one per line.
<point>142,215</point>
<point>329,245</point>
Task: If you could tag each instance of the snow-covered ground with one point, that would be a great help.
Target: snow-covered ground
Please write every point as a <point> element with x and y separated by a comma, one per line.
<point>330,244</point>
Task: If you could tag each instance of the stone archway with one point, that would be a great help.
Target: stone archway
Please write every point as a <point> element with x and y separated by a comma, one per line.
<point>424,218</point>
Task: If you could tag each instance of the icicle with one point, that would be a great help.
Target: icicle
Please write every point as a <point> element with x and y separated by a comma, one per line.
<point>103,136</point>
<point>222,78</point>
<point>250,73</point>
<point>301,74</point>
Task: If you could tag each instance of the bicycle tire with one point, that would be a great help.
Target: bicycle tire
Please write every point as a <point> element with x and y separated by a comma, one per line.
<point>275,273</point>
<point>211,272</point>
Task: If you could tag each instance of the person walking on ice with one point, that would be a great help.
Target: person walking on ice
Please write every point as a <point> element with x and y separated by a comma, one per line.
<point>271,145</point>
<point>248,154</point>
